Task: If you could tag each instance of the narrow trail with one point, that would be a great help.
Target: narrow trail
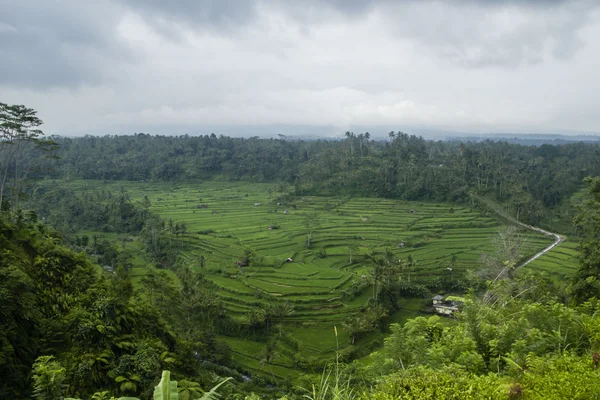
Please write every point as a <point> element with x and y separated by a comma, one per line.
<point>558,239</point>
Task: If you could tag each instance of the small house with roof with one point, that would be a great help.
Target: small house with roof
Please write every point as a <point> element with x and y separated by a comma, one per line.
<point>446,305</point>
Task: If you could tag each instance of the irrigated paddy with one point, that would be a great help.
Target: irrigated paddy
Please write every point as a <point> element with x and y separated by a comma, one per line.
<point>226,219</point>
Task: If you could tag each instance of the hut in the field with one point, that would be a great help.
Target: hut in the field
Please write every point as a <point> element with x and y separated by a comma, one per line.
<point>447,305</point>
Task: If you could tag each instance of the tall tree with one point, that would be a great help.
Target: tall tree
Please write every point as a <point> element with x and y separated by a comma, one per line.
<point>18,127</point>
<point>311,223</point>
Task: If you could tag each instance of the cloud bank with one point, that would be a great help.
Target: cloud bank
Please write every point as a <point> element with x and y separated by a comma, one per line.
<point>175,67</point>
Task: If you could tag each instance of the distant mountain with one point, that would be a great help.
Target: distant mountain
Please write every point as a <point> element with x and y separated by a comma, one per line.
<point>528,139</point>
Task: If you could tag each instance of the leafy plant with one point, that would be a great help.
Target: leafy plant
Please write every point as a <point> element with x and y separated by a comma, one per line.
<point>166,388</point>
<point>49,380</point>
<point>128,383</point>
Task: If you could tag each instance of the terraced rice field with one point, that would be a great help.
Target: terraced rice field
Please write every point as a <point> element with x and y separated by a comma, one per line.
<point>225,219</point>
<point>560,262</point>
<point>431,233</point>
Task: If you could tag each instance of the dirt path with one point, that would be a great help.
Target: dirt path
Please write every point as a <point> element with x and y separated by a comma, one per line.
<point>558,239</point>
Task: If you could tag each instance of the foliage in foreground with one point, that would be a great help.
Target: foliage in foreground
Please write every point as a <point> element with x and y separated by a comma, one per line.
<point>49,384</point>
<point>565,376</point>
<point>95,331</point>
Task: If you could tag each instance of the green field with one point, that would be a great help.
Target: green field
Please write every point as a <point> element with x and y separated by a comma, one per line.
<point>223,221</point>
<point>562,261</point>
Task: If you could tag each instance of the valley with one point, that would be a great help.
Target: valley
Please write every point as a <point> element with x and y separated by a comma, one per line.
<point>314,289</point>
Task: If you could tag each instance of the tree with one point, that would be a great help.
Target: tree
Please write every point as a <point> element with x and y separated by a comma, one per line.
<point>387,274</point>
<point>255,319</point>
<point>282,188</point>
<point>19,336</point>
<point>311,223</point>
<point>501,264</point>
<point>268,356</point>
<point>202,261</point>
<point>247,257</point>
<point>18,126</point>
<point>146,202</point>
<point>365,322</point>
<point>277,311</point>
<point>352,248</point>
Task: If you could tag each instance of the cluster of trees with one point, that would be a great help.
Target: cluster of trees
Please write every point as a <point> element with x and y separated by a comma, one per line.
<point>21,146</point>
<point>587,280</point>
<point>103,210</point>
<point>528,180</point>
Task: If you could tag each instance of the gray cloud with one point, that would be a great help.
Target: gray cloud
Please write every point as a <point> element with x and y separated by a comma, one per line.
<point>476,34</point>
<point>118,65</point>
<point>495,33</point>
<point>68,43</point>
<point>470,33</point>
<point>58,43</point>
<point>225,14</point>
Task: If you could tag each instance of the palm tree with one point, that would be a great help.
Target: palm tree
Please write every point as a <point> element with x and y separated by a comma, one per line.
<point>352,247</point>
<point>360,142</point>
<point>350,136</point>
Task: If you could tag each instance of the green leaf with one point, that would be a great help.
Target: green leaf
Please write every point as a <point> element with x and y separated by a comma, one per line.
<point>166,388</point>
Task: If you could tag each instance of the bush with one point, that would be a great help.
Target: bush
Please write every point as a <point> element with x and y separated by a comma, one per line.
<point>322,253</point>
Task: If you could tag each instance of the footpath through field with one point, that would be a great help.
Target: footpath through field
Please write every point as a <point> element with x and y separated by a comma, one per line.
<point>558,239</point>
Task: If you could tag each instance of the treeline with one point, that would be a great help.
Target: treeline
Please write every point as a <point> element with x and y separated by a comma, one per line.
<point>528,180</point>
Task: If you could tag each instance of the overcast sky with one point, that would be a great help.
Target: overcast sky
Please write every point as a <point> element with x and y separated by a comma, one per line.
<point>189,66</point>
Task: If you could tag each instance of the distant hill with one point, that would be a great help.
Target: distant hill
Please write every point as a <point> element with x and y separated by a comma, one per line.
<point>528,139</point>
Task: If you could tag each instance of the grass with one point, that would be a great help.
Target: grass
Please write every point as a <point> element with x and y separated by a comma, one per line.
<point>223,222</point>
